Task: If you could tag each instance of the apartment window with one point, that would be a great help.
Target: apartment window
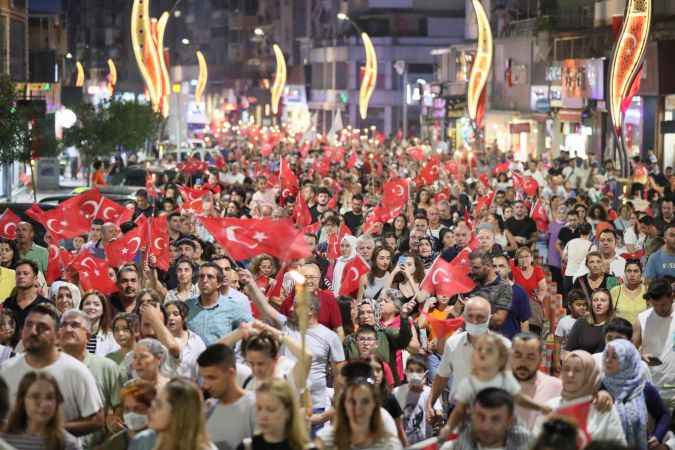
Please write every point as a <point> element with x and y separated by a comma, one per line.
<point>17,50</point>
<point>3,44</point>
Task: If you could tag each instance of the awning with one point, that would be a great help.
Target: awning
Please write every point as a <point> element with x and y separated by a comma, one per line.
<point>570,115</point>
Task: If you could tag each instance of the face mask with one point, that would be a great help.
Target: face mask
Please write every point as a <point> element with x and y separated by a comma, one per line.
<point>477,329</point>
<point>135,421</point>
<point>414,378</point>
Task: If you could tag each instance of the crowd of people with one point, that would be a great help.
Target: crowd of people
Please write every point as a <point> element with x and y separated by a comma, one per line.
<point>464,301</point>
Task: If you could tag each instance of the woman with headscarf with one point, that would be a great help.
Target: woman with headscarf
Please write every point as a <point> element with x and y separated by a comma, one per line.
<point>634,397</point>
<point>580,377</point>
<point>65,295</point>
<point>347,253</point>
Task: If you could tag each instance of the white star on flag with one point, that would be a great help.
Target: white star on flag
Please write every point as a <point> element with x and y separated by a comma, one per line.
<point>125,251</point>
<point>260,237</point>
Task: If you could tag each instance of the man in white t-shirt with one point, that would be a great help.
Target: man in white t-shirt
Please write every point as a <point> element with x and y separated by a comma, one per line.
<point>230,413</point>
<point>456,360</point>
<point>82,404</point>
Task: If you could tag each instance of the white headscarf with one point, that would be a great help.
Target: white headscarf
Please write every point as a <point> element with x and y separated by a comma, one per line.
<point>340,263</point>
<point>74,292</point>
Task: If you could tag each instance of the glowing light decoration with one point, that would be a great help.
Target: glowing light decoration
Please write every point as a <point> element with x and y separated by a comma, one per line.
<point>625,66</point>
<point>369,76</point>
<point>112,76</point>
<point>79,80</point>
<point>140,39</point>
<point>279,78</point>
<point>203,77</point>
<point>480,71</point>
<point>166,80</point>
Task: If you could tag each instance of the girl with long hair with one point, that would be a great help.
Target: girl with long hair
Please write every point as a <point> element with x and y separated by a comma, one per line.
<point>177,417</point>
<point>588,332</point>
<point>36,421</point>
<point>187,288</point>
<point>97,307</point>
<point>373,282</point>
<point>278,417</point>
<point>407,276</point>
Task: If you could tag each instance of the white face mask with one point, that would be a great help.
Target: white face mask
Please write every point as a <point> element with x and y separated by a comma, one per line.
<point>476,330</point>
<point>135,421</point>
<point>415,378</point>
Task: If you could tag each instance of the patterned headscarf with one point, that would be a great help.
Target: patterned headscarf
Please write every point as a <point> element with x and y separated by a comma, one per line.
<point>590,376</point>
<point>627,388</point>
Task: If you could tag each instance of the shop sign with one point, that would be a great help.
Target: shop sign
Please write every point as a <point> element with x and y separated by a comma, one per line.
<point>517,128</point>
<point>539,101</point>
<point>553,72</point>
<point>555,96</point>
<point>455,107</point>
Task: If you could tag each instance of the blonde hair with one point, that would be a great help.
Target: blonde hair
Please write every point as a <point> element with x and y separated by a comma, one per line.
<point>187,430</point>
<point>296,433</point>
<point>493,340</point>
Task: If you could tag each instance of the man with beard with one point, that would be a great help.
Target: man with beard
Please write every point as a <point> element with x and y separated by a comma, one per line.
<point>492,424</point>
<point>82,405</point>
<point>569,231</point>
<point>489,286</point>
<point>520,229</point>
<point>127,285</point>
<point>526,355</point>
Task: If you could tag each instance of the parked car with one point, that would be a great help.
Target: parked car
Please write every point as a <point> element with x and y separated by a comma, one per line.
<point>20,210</point>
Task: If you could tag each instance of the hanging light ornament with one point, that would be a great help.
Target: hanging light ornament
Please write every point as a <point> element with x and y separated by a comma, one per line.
<point>203,77</point>
<point>79,80</point>
<point>480,70</point>
<point>277,89</point>
<point>369,76</point>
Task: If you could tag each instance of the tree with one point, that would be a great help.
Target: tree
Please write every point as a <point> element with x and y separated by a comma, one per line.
<point>14,145</point>
<point>99,132</point>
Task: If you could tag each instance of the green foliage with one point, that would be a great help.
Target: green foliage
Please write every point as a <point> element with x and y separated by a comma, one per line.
<point>13,127</point>
<point>100,131</point>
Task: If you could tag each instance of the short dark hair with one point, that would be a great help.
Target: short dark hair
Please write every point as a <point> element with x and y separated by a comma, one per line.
<point>363,329</point>
<point>659,288</point>
<point>493,398</point>
<point>485,258</point>
<point>142,193</point>
<point>527,336</point>
<point>356,369</point>
<point>585,229</point>
<point>646,220</point>
<point>187,241</point>
<point>621,326</point>
<point>575,294</point>
<point>27,262</point>
<point>173,214</point>
<point>220,275</point>
<point>217,355</point>
<point>323,190</point>
<point>417,359</point>
<point>669,226</point>
<point>46,309</point>
<point>182,308</point>
<point>4,399</point>
<point>357,197</point>
<point>608,230</point>
<point>97,222</point>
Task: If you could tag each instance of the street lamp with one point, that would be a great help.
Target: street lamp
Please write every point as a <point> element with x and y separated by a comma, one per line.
<point>69,55</point>
<point>185,41</point>
<point>259,32</point>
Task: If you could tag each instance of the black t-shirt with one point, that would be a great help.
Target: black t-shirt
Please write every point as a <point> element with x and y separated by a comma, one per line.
<point>353,221</point>
<point>567,234</point>
<point>21,314</point>
<point>524,227</point>
<point>391,405</point>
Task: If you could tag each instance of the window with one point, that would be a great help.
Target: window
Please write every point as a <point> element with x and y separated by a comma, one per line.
<point>17,50</point>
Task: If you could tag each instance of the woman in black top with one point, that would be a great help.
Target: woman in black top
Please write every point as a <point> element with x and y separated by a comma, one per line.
<point>588,332</point>
<point>278,418</point>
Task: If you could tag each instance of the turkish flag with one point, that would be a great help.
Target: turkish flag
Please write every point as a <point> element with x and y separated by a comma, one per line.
<point>462,259</point>
<point>157,232</point>
<point>87,203</point>
<point>150,186</point>
<point>530,186</point>
<point>301,214</point>
<point>93,273</point>
<point>246,238</point>
<point>539,216</point>
<point>332,203</point>
<point>396,193</point>
<point>125,248</point>
<point>8,223</point>
<point>484,202</point>
<point>351,275</point>
<point>416,153</point>
<point>195,206</point>
<point>189,194</point>
<point>110,211</point>
<point>501,168</point>
<point>380,214</point>
<point>484,179</point>
<point>64,222</point>
<point>443,328</point>
<point>290,186</point>
<point>35,212</point>
<point>447,279</point>
<point>429,172</point>
<point>322,166</point>
<point>55,263</point>
<point>578,411</point>
<point>192,166</point>
<point>334,240</point>
<point>312,228</point>
<point>442,195</point>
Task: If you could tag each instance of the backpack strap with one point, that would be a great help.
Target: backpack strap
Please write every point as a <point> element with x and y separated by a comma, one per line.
<point>247,381</point>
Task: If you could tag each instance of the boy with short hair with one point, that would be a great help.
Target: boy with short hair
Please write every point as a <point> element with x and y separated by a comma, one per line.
<point>577,306</point>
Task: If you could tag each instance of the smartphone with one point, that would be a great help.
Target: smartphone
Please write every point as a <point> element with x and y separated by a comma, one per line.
<point>401,261</point>
<point>654,361</point>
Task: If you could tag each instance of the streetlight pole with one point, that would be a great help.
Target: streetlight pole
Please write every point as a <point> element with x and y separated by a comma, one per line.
<point>402,69</point>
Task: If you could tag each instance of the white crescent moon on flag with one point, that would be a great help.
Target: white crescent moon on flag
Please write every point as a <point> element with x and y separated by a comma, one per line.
<point>85,263</point>
<point>6,230</point>
<point>52,228</point>
<point>105,212</point>
<point>433,277</point>
<point>156,242</point>
<point>399,191</point>
<point>96,206</point>
<point>53,251</point>
<point>231,236</point>
<point>137,240</point>
<point>355,272</point>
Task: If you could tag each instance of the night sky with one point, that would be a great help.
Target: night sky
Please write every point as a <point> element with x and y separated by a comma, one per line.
<point>45,5</point>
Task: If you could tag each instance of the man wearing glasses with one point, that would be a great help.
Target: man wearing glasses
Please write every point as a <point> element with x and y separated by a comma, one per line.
<point>219,309</point>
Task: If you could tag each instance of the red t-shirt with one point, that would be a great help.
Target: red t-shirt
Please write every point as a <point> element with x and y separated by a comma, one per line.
<point>531,284</point>
<point>329,311</point>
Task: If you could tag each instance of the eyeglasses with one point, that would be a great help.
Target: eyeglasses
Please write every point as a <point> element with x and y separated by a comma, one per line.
<point>366,339</point>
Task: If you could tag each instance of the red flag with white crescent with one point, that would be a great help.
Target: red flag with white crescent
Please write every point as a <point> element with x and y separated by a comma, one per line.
<point>446,278</point>
<point>333,251</point>
<point>396,193</point>
<point>93,273</point>
<point>157,233</point>
<point>8,223</point>
<point>125,248</point>
<point>351,275</point>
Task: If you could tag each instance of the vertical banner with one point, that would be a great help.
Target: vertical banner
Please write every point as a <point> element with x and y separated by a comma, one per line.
<point>480,70</point>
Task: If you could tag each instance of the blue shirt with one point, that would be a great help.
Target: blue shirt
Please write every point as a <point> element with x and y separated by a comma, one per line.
<point>660,264</point>
<point>214,322</point>
<point>520,312</point>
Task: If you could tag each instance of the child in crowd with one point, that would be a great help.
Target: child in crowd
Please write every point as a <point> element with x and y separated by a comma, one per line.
<point>577,306</point>
<point>488,369</point>
<point>412,398</point>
